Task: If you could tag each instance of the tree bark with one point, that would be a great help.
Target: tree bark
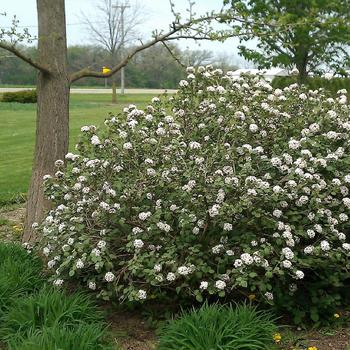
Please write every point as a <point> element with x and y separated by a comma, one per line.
<point>302,68</point>
<point>52,125</point>
<point>114,91</point>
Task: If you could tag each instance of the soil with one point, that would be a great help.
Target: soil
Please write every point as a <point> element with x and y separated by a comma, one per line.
<point>11,224</point>
<point>327,339</point>
<point>131,332</point>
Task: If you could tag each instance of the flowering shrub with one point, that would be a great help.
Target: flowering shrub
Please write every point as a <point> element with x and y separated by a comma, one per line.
<point>229,186</point>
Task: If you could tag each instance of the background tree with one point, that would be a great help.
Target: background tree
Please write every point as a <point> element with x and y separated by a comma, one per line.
<point>313,35</point>
<point>13,70</point>
<point>152,68</point>
<point>54,81</point>
<point>113,25</point>
<point>155,68</point>
<point>197,57</point>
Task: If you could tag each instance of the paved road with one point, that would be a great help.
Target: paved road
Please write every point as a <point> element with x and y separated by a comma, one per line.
<point>100,91</point>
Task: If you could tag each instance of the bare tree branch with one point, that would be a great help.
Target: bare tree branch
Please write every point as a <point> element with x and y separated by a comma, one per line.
<point>173,54</point>
<point>170,35</point>
<point>106,29</point>
<point>22,56</point>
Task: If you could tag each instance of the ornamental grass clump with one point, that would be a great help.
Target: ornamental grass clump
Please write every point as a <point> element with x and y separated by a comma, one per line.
<point>20,274</point>
<point>219,327</point>
<point>227,188</point>
<point>49,308</point>
<point>79,337</point>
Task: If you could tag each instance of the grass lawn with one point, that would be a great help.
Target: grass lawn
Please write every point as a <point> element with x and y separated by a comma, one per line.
<point>17,131</point>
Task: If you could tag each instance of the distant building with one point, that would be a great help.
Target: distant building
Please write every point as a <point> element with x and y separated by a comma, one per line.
<point>268,74</point>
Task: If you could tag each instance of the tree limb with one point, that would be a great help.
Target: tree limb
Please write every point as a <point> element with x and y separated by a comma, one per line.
<point>172,54</point>
<point>22,56</point>
<point>176,28</point>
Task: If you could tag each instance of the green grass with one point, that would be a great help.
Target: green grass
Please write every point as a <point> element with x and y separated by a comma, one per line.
<point>17,131</point>
<point>220,327</point>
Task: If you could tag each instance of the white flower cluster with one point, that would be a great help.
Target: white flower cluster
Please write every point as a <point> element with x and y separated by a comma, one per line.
<point>224,181</point>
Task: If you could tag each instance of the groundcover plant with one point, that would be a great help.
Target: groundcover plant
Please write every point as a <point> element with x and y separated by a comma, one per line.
<point>229,187</point>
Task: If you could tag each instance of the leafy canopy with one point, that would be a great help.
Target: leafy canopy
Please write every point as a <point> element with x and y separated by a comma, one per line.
<point>311,35</point>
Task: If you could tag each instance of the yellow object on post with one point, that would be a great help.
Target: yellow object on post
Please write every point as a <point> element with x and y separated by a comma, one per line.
<point>105,70</point>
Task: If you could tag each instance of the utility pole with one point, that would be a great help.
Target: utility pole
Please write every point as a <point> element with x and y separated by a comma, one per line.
<point>122,8</point>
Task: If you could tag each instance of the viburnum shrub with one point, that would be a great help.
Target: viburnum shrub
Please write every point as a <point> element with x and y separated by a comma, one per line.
<point>227,187</point>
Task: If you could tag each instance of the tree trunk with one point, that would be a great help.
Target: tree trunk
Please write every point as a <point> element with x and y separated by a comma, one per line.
<point>302,73</point>
<point>114,92</point>
<point>302,64</point>
<point>52,125</point>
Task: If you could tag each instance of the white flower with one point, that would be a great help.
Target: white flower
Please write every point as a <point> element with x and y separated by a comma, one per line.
<point>142,294</point>
<point>195,145</point>
<point>325,246</point>
<point>184,270</point>
<point>204,285</point>
<point>230,252</point>
<point>253,128</point>
<point>183,83</point>
<point>96,252</point>
<point>92,285</point>
<point>217,249</point>
<point>346,202</point>
<point>127,145</point>
<point>214,210</point>
<point>318,228</point>
<point>277,213</point>
<point>51,264</point>
<point>58,282</point>
<point>95,140</point>
<point>163,226</point>
<point>287,252</point>
<point>299,274</point>
<point>138,243</point>
<point>101,244</point>
<point>109,277</point>
<point>171,276</point>
<point>195,230</point>
<point>144,215</point>
<point>238,263</point>
<point>85,129</point>
<point>151,172</point>
<point>157,267</point>
<point>220,284</point>
<point>309,249</point>
<point>294,144</point>
<point>227,226</point>
<point>343,217</point>
<point>247,258</point>
<point>269,296</point>
<point>79,264</point>
<point>287,264</point>
<point>311,233</point>
<point>46,251</point>
<point>328,76</point>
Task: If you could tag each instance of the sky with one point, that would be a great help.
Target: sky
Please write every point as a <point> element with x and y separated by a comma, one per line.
<point>157,16</point>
